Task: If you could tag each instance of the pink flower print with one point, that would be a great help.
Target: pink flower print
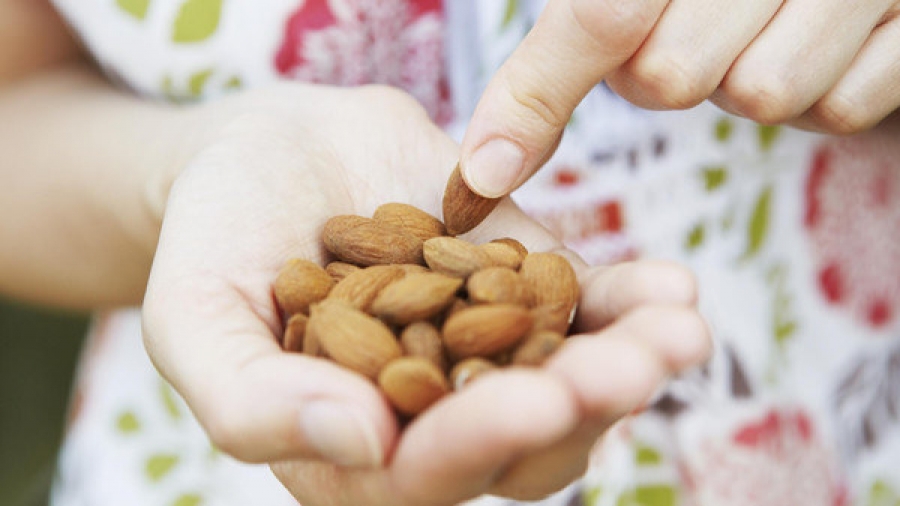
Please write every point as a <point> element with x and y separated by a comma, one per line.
<point>776,460</point>
<point>356,42</point>
<point>852,216</point>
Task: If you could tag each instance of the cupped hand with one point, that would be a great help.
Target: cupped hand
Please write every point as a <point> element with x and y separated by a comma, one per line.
<point>288,160</point>
<point>825,65</point>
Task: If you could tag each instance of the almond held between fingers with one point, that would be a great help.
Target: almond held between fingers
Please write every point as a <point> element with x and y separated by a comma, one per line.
<point>415,297</point>
<point>364,241</point>
<point>360,288</point>
<point>499,285</point>
<point>466,371</point>
<point>352,338</point>
<point>464,209</point>
<point>412,384</point>
<point>553,282</point>
<point>454,257</point>
<point>485,330</point>
<point>300,283</point>
<point>411,219</point>
<point>422,339</point>
<point>537,347</point>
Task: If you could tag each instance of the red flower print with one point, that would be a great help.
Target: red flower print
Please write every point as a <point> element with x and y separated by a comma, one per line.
<point>852,215</point>
<point>355,42</point>
<point>776,460</point>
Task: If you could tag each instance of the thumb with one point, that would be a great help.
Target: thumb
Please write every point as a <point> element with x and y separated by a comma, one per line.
<point>526,105</point>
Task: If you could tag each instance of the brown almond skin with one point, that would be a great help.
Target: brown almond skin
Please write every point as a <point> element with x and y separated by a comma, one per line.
<point>340,270</point>
<point>513,243</point>
<point>485,330</point>
<point>454,257</point>
<point>417,296</point>
<point>360,288</point>
<point>294,331</point>
<point>466,371</point>
<point>299,284</point>
<point>364,241</point>
<point>412,384</point>
<point>464,209</point>
<point>502,255</point>
<point>551,317</point>
<point>411,219</point>
<point>422,339</point>
<point>553,282</point>
<point>535,349</point>
<point>352,338</point>
<point>499,285</point>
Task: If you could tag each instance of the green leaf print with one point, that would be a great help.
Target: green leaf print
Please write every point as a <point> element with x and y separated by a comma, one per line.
<point>758,227</point>
<point>233,83</point>
<point>188,500</point>
<point>591,495</point>
<point>128,423</point>
<point>647,456</point>
<point>649,495</point>
<point>197,20</point>
<point>136,8</point>
<point>509,14</point>
<point>881,494</point>
<point>197,81</point>
<point>714,177</point>
<point>167,395</point>
<point>159,465</point>
<point>767,135</point>
<point>723,129</point>
<point>695,237</point>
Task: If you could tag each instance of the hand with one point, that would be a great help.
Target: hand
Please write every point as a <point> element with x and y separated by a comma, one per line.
<point>826,65</point>
<point>258,196</point>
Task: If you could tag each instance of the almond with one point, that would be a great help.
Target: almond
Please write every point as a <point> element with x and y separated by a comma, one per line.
<point>360,288</point>
<point>455,257</point>
<point>411,219</point>
<point>502,255</point>
<point>485,330</point>
<point>537,347</point>
<point>499,285</point>
<point>365,242</point>
<point>422,339</point>
<point>464,209</point>
<point>412,384</point>
<point>415,297</point>
<point>514,244</point>
<point>467,370</point>
<point>352,338</point>
<point>300,283</point>
<point>340,270</point>
<point>553,282</point>
<point>550,317</point>
<point>294,330</point>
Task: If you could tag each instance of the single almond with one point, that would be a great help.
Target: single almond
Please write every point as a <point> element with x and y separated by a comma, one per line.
<point>340,270</point>
<point>300,283</point>
<point>294,331</point>
<point>360,288</point>
<point>454,257</point>
<point>352,338</point>
<point>537,348</point>
<point>412,384</point>
<point>513,243</point>
<point>415,297</point>
<point>553,282</point>
<point>502,255</point>
<point>365,242</point>
<point>422,339</point>
<point>411,219</point>
<point>485,330</point>
<point>464,209</point>
<point>466,371</point>
<point>499,285</point>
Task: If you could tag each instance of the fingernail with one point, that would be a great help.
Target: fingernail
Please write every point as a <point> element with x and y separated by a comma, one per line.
<point>494,168</point>
<point>341,434</point>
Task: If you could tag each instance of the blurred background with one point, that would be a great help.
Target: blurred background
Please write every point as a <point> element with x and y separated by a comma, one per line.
<point>38,352</point>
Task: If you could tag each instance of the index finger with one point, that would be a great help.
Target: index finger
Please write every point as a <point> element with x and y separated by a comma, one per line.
<point>526,105</point>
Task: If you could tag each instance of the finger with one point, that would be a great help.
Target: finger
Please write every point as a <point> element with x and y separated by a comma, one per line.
<point>797,58</point>
<point>614,371</point>
<point>868,92</point>
<point>526,105</point>
<point>686,56</point>
<point>609,292</point>
<point>256,402</point>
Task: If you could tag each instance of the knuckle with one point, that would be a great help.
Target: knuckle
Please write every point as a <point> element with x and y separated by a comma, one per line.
<point>767,100</point>
<point>532,108</point>
<point>672,80</point>
<point>837,114</point>
<point>629,21</point>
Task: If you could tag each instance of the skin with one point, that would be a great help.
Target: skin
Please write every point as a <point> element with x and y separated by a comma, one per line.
<point>193,209</point>
<point>829,66</point>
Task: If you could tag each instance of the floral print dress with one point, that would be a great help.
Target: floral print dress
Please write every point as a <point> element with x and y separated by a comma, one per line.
<point>794,238</point>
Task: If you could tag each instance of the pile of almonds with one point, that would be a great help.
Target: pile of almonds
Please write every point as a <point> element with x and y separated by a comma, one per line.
<point>421,312</point>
